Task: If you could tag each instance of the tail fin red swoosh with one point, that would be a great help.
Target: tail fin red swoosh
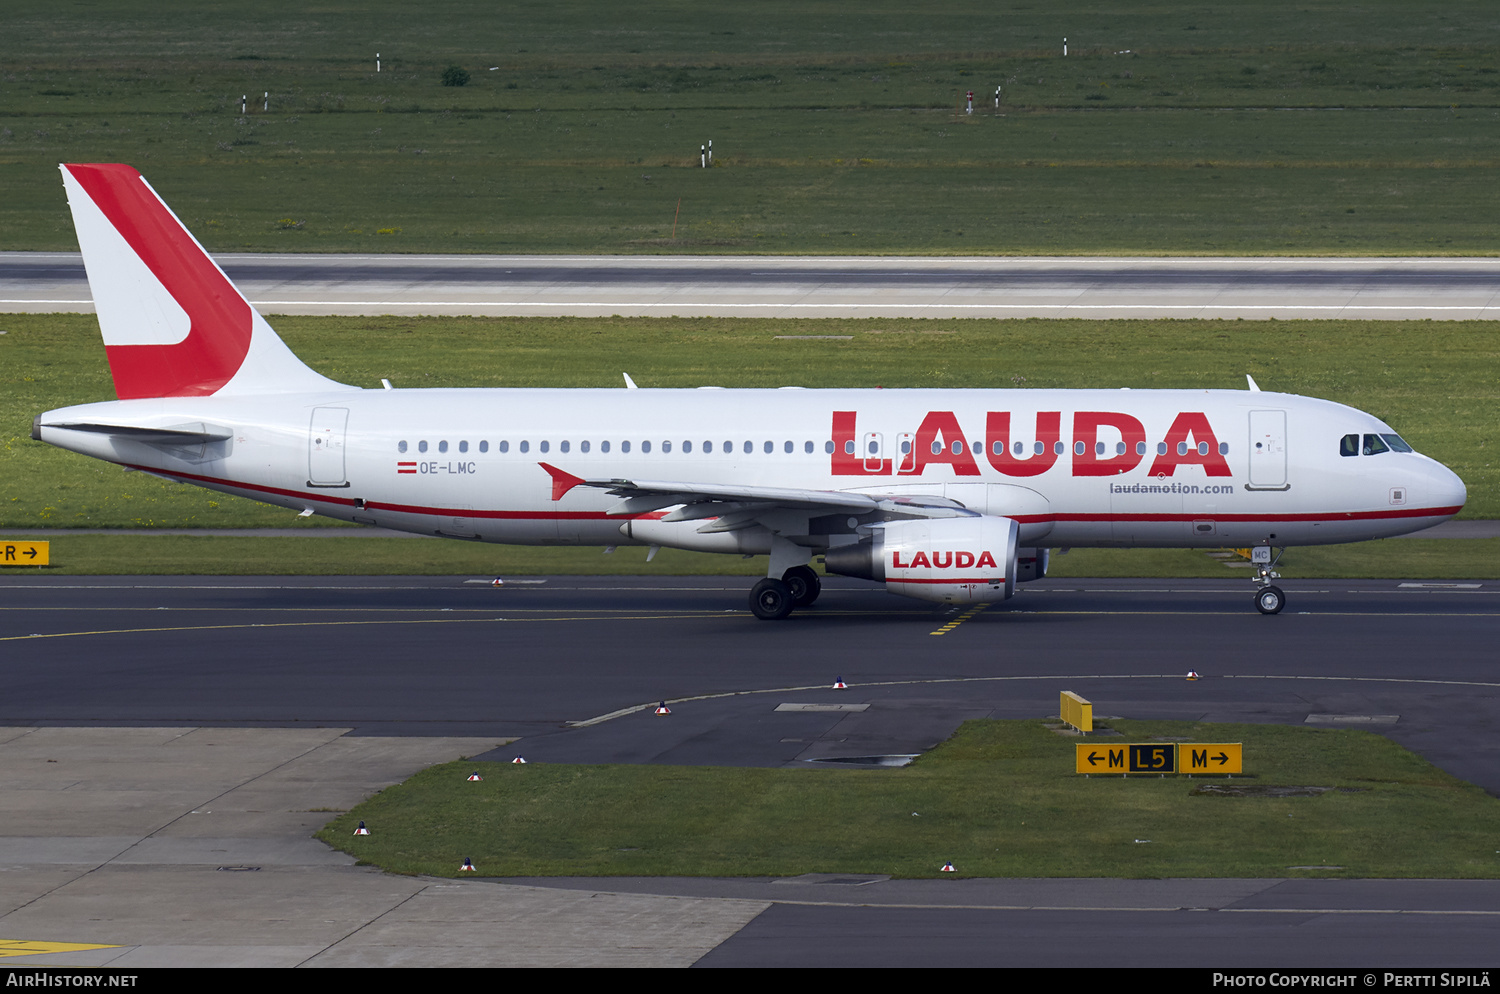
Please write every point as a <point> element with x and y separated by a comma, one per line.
<point>174,326</point>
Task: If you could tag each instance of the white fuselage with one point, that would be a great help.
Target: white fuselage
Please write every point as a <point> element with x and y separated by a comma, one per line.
<point>1173,468</point>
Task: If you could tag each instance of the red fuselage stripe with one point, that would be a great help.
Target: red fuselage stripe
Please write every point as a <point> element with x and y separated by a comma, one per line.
<point>1329,516</point>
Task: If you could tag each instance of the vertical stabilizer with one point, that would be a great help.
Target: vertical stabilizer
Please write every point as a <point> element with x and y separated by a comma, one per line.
<point>173,324</point>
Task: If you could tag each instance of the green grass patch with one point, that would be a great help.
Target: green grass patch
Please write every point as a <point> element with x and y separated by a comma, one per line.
<point>999,799</point>
<point>74,554</point>
<point>1261,129</point>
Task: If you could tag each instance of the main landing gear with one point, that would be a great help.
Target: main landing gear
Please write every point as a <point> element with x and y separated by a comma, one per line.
<point>1269,599</point>
<point>772,599</point>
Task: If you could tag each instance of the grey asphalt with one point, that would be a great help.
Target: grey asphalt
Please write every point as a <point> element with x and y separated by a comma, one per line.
<point>129,682</point>
<point>776,286</point>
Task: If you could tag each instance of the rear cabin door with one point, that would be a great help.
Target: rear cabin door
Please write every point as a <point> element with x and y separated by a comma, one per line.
<point>325,447</point>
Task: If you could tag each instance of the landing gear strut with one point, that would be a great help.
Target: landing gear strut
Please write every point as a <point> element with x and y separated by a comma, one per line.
<point>1269,599</point>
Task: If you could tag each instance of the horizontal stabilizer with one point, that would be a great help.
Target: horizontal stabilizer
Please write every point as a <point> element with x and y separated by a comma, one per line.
<point>193,434</point>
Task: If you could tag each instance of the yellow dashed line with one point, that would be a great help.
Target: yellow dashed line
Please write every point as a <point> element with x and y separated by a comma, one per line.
<point>971,612</point>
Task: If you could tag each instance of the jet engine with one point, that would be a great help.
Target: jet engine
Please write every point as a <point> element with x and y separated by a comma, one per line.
<point>955,560</point>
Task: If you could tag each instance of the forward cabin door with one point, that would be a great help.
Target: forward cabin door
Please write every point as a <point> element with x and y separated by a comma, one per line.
<point>1268,450</point>
<point>325,447</point>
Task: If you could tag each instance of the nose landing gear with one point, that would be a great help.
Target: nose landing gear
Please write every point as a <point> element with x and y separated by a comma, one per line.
<point>1269,599</point>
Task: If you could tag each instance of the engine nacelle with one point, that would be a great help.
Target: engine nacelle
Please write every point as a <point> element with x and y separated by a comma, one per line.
<point>953,560</point>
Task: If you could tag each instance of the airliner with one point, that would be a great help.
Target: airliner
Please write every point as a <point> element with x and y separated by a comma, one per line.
<point>951,496</point>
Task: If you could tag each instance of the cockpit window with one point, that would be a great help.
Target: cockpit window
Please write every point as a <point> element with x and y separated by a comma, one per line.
<point>1397,443</point>
<point>1349,445</point>
<point>1374,445</point>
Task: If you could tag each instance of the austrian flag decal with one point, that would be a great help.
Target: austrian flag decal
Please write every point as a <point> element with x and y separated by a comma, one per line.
<point>406,467</point>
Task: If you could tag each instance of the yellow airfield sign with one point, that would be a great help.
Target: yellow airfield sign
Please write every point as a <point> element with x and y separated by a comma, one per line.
<point>1119,758</point>
<point>23,553</point>
<point>1210,757</point>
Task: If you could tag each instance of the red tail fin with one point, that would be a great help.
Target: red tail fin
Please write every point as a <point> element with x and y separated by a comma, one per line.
<point>173,324</point>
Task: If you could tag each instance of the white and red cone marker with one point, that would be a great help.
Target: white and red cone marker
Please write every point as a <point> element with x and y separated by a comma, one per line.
<point>361,830</point>
<point>473,777</point>
<point>839,684</point>
<point>497,582</point>
<point>468,866</point>
<point>663,709</point>
<point>1192,674</point>
<point>947,868</point>
<point>519,759</point>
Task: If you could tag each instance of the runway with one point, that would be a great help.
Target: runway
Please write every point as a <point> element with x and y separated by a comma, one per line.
<point>785,287</point>
<point>564,669</point>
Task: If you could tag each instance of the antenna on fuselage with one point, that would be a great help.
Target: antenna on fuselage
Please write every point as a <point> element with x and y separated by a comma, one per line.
<point>629,383</point>
<point>1251,380</point>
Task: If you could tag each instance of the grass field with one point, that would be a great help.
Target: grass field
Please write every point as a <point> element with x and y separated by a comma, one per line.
<point>1433,381</point>
<point>1269,127</point>
<point>999,799</point>
<point>228,555</point>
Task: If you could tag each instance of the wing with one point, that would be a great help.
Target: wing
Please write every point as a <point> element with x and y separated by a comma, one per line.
<point>733,506</point>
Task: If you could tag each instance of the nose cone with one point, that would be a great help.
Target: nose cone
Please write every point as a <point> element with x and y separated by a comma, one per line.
<point>1445,491</point>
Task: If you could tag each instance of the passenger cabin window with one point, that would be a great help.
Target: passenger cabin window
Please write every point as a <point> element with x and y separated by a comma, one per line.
<point>401,446</point>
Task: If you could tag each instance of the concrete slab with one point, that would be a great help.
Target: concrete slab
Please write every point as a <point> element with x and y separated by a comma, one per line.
<point>193,847</point>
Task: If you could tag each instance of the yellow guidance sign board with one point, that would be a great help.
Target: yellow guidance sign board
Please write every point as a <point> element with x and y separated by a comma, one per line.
<point>23,553</point>
<point>1158,757</point>
<point>1210,757</point>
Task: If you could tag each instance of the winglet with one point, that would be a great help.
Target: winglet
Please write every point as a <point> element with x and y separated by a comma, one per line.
<point>561,482</point>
